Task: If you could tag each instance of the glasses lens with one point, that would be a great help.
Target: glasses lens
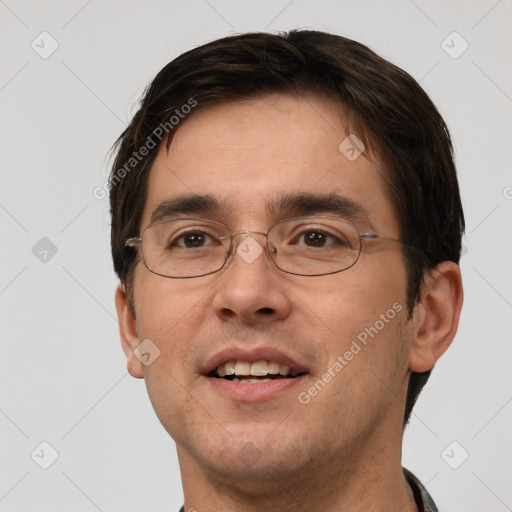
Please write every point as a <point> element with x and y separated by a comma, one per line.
<point>185,247</point>
<point>314,246</point>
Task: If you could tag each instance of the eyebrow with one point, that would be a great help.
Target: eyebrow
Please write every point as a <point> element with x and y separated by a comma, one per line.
<point>187,204</point>
<point>281,206</point>
<point>305,203</point>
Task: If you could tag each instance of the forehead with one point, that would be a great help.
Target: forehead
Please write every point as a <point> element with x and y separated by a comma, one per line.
<point>250,153</point>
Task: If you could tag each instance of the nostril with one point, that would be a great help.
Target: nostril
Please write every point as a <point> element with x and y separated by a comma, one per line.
<point>228,312</point>
<point>266,311</point>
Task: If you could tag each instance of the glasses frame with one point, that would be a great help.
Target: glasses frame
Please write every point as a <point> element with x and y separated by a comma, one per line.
<point>137,241</point>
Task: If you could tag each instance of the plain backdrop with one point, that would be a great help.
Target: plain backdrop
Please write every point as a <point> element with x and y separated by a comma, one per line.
<point>71,75</point>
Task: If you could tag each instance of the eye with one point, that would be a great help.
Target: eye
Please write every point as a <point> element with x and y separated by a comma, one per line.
<point>192,240</point>
<point>319,238</point>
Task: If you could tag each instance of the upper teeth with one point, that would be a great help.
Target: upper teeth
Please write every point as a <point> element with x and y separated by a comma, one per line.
<point>258,368</point>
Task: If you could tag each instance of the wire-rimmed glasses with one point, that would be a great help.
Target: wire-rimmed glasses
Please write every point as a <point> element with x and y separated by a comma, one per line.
<point>184,248</point>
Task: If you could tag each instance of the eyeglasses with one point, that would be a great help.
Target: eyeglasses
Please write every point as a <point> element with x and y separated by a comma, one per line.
<point>304,246</point>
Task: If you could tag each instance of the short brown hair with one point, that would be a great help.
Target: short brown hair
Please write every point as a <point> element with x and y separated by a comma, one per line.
<point>392,115</point>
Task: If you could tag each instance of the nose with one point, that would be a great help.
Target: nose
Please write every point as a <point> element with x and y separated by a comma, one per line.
<point>252,290</point>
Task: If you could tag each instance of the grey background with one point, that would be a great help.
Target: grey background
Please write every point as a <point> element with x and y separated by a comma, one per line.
<point>63,378</point>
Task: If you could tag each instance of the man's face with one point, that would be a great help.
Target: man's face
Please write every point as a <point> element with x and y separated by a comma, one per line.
<point>247,154</point>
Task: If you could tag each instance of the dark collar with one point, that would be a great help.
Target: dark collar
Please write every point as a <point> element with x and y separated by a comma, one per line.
<point>423,499</point>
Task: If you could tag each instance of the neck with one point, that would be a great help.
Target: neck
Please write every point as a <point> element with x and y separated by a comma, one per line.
<point>370,480</point>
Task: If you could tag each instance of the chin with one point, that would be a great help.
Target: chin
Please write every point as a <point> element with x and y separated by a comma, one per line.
<point>249,455</point>
<point>252,470</point>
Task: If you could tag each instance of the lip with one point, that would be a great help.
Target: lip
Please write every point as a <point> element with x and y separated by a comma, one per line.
<point>251,355</point>
<point>254,392</point>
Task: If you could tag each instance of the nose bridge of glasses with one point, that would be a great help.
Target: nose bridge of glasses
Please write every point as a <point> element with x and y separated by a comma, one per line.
<point>247,232</point>
<point>235,244</point>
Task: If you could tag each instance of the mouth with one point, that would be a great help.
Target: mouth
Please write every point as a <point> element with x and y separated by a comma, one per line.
<point>247,372</point>
<point>253,374</point>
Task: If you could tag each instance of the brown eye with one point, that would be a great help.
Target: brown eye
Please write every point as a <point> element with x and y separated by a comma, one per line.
<point>194,240</point>
<point>191,240</point>
<point>317,238</point>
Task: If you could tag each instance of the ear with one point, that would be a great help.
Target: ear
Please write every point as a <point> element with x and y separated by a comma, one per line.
<point>436,317</point>
<point>128,332</point>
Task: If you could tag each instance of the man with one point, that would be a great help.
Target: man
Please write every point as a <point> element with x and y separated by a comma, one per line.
<point>286,226</point>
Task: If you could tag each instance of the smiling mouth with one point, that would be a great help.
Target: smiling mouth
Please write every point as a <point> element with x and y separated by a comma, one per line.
<point>246,372</point>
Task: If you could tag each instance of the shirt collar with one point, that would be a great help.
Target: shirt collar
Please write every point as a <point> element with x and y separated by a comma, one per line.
<point>423,499</point>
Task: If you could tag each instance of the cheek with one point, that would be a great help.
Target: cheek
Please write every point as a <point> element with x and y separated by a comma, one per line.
<point>169,316</point>
<point>351,302</point>
<point>363,311</point>
<point>163,306</point>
